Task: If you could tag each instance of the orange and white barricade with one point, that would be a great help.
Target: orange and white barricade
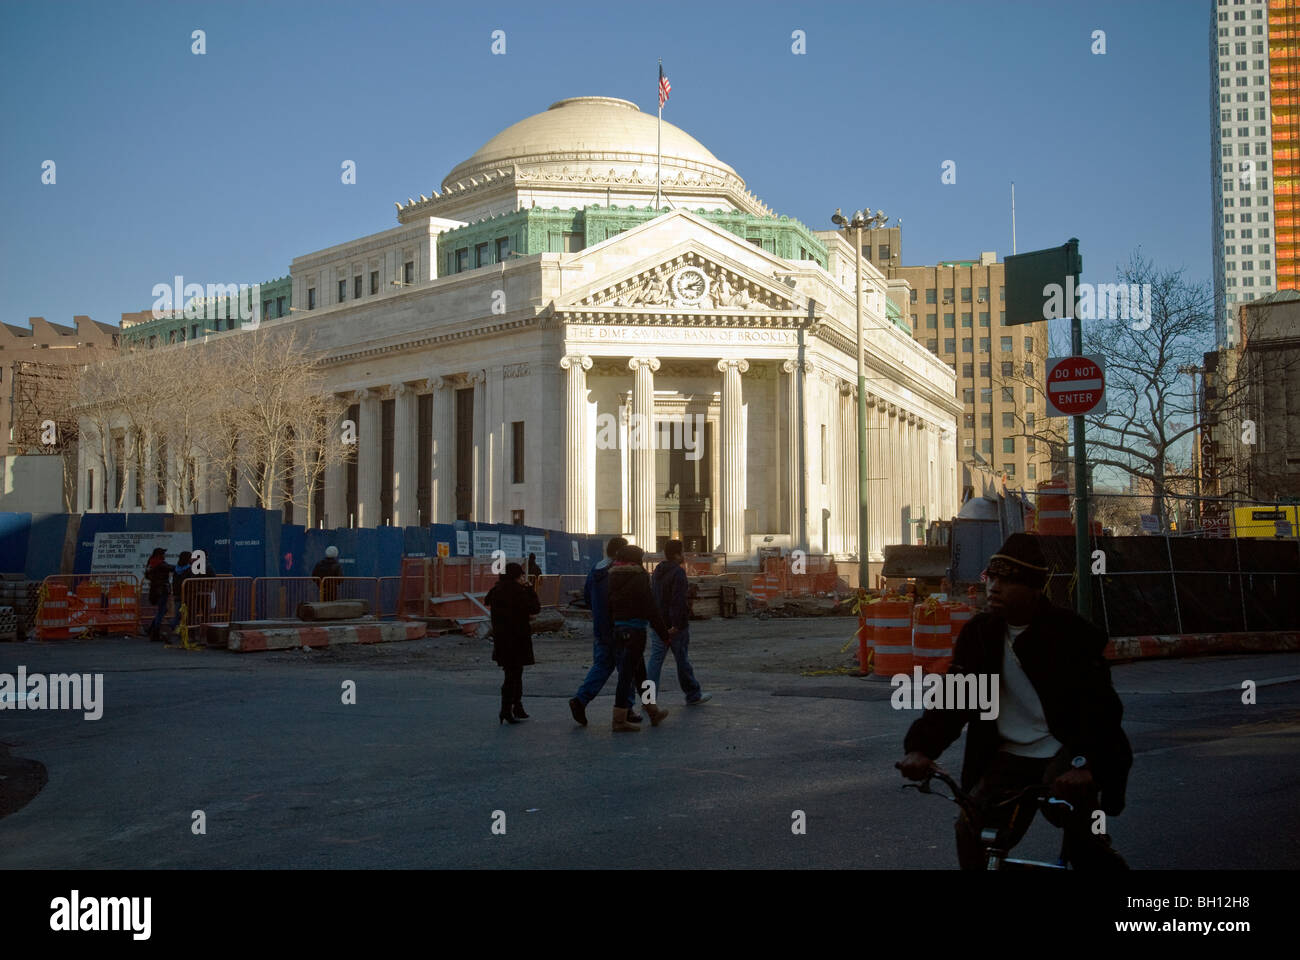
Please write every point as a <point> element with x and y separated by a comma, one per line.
<point>932,637</point>
<point>891,621</point>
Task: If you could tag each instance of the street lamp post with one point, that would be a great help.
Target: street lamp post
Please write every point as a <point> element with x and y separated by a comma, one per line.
<point>1199,465</point>
<point>859,223</point>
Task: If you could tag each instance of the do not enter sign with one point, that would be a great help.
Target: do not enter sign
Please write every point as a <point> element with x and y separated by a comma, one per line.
<point>1075,386</point>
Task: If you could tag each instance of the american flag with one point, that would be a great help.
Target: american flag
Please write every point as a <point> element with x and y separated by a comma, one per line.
<point>664,87</point>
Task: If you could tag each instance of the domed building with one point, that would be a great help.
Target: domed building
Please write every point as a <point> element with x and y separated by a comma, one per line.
<point>569,335</point>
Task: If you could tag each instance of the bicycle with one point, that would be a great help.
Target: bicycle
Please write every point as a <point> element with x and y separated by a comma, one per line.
<point>997,843</point>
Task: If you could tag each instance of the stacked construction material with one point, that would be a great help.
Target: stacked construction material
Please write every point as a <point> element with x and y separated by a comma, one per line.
<point>15,594</point>
<point>712,595</point>
<point>8,624</point>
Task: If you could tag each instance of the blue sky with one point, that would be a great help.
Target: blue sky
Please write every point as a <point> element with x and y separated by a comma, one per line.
<point>224,167</point>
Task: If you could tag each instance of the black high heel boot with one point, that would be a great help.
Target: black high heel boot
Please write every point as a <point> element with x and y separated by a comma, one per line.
<point>518,709</point>
<point>505,717</point>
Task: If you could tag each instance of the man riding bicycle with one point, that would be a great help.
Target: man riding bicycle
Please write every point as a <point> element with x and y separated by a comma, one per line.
<point>1059,716</point>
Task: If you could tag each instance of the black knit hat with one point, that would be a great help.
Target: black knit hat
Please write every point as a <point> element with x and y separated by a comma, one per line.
<point>630,554</point>
<point>513,572</point>
<point>1020,560</point>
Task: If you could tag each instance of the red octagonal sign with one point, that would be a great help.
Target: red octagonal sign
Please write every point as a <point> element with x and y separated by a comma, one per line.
<point>1075,386</point>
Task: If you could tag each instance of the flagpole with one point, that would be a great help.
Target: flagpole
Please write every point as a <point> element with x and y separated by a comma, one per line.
<point>659,131</point>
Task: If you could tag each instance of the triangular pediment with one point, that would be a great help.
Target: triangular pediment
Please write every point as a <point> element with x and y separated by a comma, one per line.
<point>707,270</point>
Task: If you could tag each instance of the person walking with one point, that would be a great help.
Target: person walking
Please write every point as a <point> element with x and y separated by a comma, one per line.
<point>182,572</point>
<point>603,660</point>
<point>534,571</point>
<point>1058,720</point>
<point>632,608</point>
<point>158,574</point>
<point>329,565</point>
<point>670,586</point>
<point>512,601</point>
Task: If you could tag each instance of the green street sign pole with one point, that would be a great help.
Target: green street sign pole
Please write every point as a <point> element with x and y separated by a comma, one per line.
<point>1082,555</point>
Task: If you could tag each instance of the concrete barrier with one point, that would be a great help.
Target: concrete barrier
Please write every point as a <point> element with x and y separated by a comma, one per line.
<point>1199,645</point>
<point>272,635</point>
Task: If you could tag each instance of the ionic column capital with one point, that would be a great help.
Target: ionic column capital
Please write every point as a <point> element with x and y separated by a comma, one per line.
<point>635,363</point>
<point>578,360</point>
<point>742,366</point>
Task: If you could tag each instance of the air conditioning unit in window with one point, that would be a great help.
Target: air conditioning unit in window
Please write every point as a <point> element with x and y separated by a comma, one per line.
<point>968,442</point>
<point>981,300</point>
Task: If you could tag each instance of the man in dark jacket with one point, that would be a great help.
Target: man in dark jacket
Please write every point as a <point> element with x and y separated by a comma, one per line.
<point>329,565</point>
<point>512,601</point>
<point>1058,721</point>
<point>158,574</point>
<point>670,586</point>
<point>633,609</point>
<point>603,661</point>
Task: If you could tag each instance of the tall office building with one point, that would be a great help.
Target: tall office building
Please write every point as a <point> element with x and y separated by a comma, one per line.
<point>1255,152</point>
<point>958,312</point>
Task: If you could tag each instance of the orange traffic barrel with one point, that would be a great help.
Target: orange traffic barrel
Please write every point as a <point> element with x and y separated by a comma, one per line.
<point>892,620</point>
<point>1053,515</point>
<point>52,618</point>
<point>932,637</point>
<point>959,615</point>
<point>122,614</point>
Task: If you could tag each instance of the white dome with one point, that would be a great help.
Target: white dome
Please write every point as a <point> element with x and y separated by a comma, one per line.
<point>582,131</point>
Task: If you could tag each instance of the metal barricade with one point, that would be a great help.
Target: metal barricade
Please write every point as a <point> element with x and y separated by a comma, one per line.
<point>419,580</point>
<point>389,594</point>
<point>458,575</point>
<point>548,590</point>
<point>351,588</point>
<point>277,598</point>
<point>216,600</point>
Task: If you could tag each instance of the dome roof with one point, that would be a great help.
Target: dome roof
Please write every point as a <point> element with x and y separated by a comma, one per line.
<point>595,129</point>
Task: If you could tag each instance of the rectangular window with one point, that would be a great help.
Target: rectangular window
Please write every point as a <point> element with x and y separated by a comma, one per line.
<point>1029,368</point>
<point>930,295</point>
<point>1009,421</point>
<point>343,290</point>
<point>986,445</point>
<point>965,319</point>
<point>932,346</point>
<point>1030,446</point>
<point>1008,444</point>
<point>311,298</point>
<point>356,287</point>
<point>503,249</point>
<point>984,294</point>
<point>266,309</point>
<point>374,282</point>
<point>986,420</point>
<point>986,369</point>
<point>913,295</point>
<point>1029,344</point>
<point>1002,293</point>
<point>949,320</point>
<point>1009,394</point>
<point>965,294</point>
<point>1029,394</point>
<point>1005,344</point>
<point>968,370</point>
<point>482,255</point>
<point>984,318</point>
<point>1031,472</point>
<point>408,271</point>
<point>984,344</point>
<point>948,345</point>
<point>931,321</point>
<point>1002,317</point>
<point>194,331</point>
<point>986,394</point>
<point>965,345</point>
<point>517,451</point>
<point>279,306</point>
<point>947,294</point>
<point>969,420</point>
<point>462,259</point>
<point>968,395</point>
<point>883,252</point>
<point>573,242</point>
<point>1006,368</point>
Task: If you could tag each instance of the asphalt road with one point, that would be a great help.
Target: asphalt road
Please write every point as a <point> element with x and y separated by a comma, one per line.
<point>289,776</point>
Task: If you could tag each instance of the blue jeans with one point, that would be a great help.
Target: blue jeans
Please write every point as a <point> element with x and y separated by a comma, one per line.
<point>603,664</point>
<point>685,672</point>
<point>159,615</point>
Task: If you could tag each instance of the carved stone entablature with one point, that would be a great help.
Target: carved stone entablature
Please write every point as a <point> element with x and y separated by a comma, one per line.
<point>689,282</point>
<point>512,370</point>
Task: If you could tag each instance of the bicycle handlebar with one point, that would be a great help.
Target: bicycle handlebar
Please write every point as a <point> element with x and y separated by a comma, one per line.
<point>1037,791</point>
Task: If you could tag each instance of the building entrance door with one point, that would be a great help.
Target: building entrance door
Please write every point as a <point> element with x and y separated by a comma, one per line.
<point>683,481</point>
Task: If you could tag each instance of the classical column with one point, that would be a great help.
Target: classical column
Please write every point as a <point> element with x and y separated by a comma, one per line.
<point>442,485</point>
<point>733,456</point>
<point>369,459</point>
<point>405,462</point>
<point>892,478</point>
<point>907,487</point>
<point>793,454</point>
<point>811,475</point>
<point>641,444</point>
<point>577,446</point>
<point>336,478</point>
<point>482,508</point>
<point>849,466</point>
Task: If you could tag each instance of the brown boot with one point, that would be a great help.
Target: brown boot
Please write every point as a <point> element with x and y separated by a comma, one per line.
<point>656,715</point>
<point>620,722</point>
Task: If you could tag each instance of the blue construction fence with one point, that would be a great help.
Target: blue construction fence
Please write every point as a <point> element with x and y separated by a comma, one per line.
<point>250,542</point>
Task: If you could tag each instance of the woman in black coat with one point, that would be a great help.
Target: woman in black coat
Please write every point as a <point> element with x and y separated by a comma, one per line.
<point>512,601</point>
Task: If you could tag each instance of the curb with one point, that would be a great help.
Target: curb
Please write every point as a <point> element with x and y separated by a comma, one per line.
<point>1199,645</point>
<point>252,640</point>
